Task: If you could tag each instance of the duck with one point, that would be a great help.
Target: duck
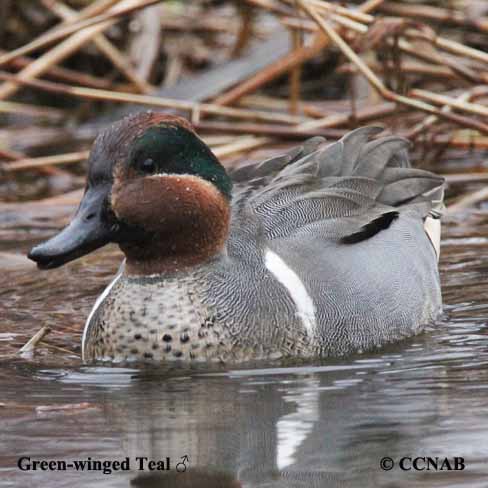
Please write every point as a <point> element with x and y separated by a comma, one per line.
<point>323,251</point>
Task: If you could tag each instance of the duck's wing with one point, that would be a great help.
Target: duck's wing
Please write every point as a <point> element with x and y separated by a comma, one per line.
<point>348,191</point>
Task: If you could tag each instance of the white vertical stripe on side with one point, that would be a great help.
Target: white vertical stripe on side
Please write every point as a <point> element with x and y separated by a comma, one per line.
<point>98,302</point>
<point>298,293</point>
<point>432,228</point>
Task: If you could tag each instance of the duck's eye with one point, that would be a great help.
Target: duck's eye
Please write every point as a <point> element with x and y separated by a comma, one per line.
<point>148,166</point>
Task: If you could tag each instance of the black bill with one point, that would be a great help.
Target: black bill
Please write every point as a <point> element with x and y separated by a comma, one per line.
<point>90,229</point>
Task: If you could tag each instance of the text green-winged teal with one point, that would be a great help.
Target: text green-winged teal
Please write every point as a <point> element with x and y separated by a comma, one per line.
<point>322,251</point>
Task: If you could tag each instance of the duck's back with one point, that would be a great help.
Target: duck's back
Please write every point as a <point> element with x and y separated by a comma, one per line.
<point>329,252</point>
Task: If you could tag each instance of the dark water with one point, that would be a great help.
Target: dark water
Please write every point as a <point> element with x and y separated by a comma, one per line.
<point>319,425</point>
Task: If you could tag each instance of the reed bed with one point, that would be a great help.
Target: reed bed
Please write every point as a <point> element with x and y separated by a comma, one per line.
<point>253,76</point>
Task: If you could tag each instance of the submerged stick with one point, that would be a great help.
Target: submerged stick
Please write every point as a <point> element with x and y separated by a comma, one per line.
<point>31,344</point>
<point>59,348</point>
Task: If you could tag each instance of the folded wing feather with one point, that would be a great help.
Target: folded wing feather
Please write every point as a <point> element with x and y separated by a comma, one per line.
<point>365,183</point>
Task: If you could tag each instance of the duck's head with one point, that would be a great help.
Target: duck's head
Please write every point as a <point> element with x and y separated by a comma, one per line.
<point>154,188</point>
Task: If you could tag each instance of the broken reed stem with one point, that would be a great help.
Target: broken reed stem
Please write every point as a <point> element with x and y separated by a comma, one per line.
<point>63,74</point>
<point>343,46</point>
<point>361,115</point>
<point>31,344</point>
<point>204,25</point>
<point>215,140</point>
<point>406,47</point>
<point>349,24</point>
<point>377,83</point>
<point>460,71</point>
<point>295,75</point>
<point>454,179</point>
<point>152,101</point>
<point>307,25</point>
<point>436,14</point>
<point>467,144</point>
<point>236,145</point>
<point>63,32</point>
<point>94,8</point>
<point>30,110</point>
<point>10,155</point>
<point>244,143</point>
<point>245,31</point>
<point>61,51</point>
<point>430,120</point>
<point>474,108</point>
<point>270,6</point>
<point>263,102</point>
<point>356,15</point>
<point>301,24</point>
<point>348,18</point>
<point>408,67</point>
<point>121,63</point>
<point>434,57</point>
<point>271,130</point>
<point>339,120</point>
<point>104,45</point>
<point>285,64</point>
<point>59,348</point>
<point>448,45</point>
<point>469,200</point>
<point>30,163</point>
<point>272,71</point>
<point>458,119</point>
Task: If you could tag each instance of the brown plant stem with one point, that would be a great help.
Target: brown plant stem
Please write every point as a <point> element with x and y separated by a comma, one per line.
<point>152,101</point>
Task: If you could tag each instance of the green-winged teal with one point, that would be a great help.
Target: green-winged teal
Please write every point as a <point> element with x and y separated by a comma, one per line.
<point>322,251</point>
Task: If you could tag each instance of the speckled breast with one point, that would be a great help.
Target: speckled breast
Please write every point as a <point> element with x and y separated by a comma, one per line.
<point>156,320</point>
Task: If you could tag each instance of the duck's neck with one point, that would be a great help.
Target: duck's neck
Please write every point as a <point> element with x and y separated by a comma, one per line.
<point>198,238</point>
<point>168,263</point>
<point>183,220</point>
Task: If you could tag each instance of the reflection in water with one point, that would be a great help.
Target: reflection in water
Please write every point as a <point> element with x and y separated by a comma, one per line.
<point>327,424</point>
<point>190,479</point>
<point>292,429</point>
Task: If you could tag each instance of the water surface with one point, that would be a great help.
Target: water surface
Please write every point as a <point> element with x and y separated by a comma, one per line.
<point>279,425</point>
